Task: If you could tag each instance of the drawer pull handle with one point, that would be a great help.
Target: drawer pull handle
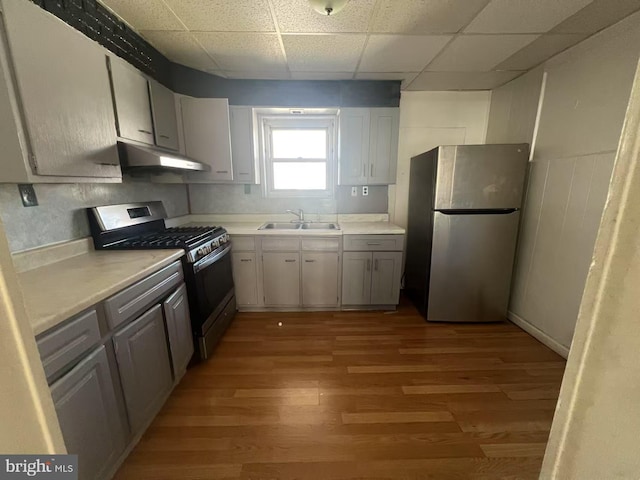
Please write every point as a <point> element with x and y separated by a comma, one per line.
<point>245,259</point>
<point>374,243</point>
<point>375,265</point>
<point>290,261</point>
<point>371,170</point>
<point>368,265</point>
<point>222,171</point>
<point>164,136</point>
<point>145,131</point>
<point>309,261</point>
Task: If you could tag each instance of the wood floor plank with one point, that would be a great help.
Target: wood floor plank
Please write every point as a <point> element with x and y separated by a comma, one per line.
<point>357,395</point>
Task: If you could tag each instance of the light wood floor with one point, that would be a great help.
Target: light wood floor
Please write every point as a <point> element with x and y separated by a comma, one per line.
<point>343,395</point>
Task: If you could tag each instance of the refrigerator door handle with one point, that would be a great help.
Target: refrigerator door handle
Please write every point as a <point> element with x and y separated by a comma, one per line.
<point>479,211</point>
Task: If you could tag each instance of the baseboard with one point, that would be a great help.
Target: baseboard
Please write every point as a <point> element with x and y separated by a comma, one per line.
<point>538,334</point>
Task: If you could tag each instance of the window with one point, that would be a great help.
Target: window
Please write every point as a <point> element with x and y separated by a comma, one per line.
<point>298,155</point>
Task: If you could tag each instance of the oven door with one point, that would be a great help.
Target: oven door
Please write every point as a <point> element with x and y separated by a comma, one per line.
<point>211,282</point>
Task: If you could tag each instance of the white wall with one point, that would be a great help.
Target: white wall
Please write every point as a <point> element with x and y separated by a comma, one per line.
<point>582,111</point>
<point>429,119</point>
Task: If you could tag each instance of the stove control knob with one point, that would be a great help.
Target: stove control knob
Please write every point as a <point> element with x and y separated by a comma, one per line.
<point>200,252</point>
<point>224,239</point>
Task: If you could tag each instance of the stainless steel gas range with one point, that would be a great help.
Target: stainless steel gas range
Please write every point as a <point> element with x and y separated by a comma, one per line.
<point>206,264</point>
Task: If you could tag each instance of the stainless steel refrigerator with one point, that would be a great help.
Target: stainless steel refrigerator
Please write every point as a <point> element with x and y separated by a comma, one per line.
<point>464,210</point>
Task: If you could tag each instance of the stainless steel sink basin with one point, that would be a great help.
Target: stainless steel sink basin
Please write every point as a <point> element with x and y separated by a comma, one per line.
<point>320,226</point>
<point>280,226</point>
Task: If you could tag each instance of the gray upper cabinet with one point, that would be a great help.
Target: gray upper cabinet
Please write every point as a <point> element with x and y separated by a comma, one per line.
<point>245,167</point>
<point>176,314</point>
<point>383,145</point>
<point>368,146</point>
<point>354,145</point>
<point>131,99</point>
<point>61,100</point>
<point>165,122</point>
<point>143,361</point>
<point>86,406</point>
<point>207,137</point>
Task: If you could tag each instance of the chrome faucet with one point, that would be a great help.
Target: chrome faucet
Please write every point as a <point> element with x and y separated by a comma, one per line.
<point>299,214</point>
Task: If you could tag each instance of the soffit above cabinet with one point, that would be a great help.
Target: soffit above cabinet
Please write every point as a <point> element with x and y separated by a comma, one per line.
<point>481,43</point>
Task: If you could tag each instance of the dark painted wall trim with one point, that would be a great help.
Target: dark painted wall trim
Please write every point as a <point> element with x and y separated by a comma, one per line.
<point>99,24</point>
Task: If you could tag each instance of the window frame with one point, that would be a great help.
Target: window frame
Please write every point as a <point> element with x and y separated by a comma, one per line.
<point>316,120</point>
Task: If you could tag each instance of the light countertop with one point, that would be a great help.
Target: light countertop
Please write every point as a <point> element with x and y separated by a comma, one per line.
<point>57,291</point>
<point>346,228</point>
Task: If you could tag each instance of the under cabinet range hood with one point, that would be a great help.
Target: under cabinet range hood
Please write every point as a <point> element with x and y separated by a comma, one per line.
<point>141,158</point>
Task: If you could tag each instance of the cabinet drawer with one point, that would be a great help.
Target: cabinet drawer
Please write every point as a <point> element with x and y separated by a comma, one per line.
<point>68,343</point>
<point>321,244</point>
<point>360,243</point>
<point>136,298</point>
<point>240,244</point>
<point>280,244</point>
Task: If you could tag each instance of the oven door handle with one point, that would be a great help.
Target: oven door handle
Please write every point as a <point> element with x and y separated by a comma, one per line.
<point>204,262</point>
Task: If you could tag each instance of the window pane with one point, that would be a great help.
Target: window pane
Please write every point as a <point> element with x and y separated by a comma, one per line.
<point>299,175</point>
<point>299,143</point>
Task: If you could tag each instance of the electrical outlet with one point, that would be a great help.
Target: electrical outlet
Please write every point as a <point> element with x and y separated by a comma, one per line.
<point>354,191</point>
<point>365,191</point>
<point>28,195</point>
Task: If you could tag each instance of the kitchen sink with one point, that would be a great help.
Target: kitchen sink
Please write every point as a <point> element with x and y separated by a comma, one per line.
<point>280,226</point>
<point>320,226</point>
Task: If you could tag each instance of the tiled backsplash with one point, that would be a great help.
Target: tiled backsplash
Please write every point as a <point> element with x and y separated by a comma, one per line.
<point>233,199</point>
<point>61,214</point>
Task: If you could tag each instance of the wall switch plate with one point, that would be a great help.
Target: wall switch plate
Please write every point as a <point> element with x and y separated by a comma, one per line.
<point>365,191</point>
<point>354,191</point>
<point>28,195</point>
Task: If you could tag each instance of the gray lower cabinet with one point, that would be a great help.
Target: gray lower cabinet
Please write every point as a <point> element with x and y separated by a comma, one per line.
<point>176,314</point>
<point>320,279</point>
<point>143,361</point>
<point>356,278</point>
<point>386,277</point>
<point>371,278</point>
<point>245,278</point>
<point>281,278</point>
<point>85,402</point>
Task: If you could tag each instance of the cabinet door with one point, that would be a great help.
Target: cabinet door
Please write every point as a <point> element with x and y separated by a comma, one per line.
<point>383,146</point>
<point>176,314</point>
<point>385,280</point>
<point>245,278</point>
<point>356,278</point>
<point>320,279</point>
<point>88,414</point>
<point>242,146</point>
<point>165,123</point>
<point>354,146</point>
<point>207,136</point>
<point>131,97</point>
<point>143,362</point>
<point>65,95</point>
<point>281,279</point>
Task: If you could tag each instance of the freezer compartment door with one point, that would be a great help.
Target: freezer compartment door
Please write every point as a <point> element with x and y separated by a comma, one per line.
<point>480,176</point>
<point>471,265</point>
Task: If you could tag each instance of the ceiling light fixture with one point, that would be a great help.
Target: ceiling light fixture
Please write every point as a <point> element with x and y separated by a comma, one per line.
<point>328,7</point>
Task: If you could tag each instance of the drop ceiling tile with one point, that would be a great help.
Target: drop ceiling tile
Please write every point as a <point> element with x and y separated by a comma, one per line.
<point>597,15</point>
<point>323,53</point>
<point>180,47</point>
<point>244,51</point>
<point>524,16</point>
<point>145,14</point>
<point>539,50</point>
<point>299,17</point>
<point>224,15</point>
<point>425,16</point>
<point>322,75</point>
<point>478,53</point>
<point>461,80</point>
<point>406,77</point>
<point>256,75</point>
<point>401,53</point>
